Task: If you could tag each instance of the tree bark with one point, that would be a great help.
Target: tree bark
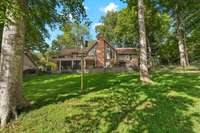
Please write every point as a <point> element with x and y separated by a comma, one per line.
<point>149,54</point>
<point>144,74</point>
<point>184,60</point>
<point>11,63</point>
<point>186,50</point>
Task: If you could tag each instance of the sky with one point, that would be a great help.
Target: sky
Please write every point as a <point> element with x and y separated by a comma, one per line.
<point>95,9</point>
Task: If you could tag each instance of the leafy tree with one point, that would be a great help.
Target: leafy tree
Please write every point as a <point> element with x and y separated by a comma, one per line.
<point>119,29</point>
<point>181,35</point>
<point>19,16</point>
<point>167,53</point>
<point>126,30</point>
<point>162,27</point>
<point>194,46</point>
<point>144,75</point>
<point>71,37</point>
<point>191,20</point>
<point>122,31</point>
<point>184,15</point>
<point>108,25</point>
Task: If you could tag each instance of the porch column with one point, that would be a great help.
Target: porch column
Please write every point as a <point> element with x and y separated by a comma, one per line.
<point>60,65</point>
<point>95,60</point>
<point>116,57</point>
<point>72,64</point>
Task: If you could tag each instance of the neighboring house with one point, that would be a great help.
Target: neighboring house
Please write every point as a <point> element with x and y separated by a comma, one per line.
<point>30,65</point>
<point>100,55</point>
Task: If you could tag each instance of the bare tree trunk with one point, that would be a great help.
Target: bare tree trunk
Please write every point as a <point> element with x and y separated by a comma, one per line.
<point>186,50</point>
<point>11,66</point>
<point>149,54</point>
<point>184,61</point>
<point>144,74</point>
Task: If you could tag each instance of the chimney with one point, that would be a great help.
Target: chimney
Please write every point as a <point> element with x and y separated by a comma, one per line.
<point>100,51</point>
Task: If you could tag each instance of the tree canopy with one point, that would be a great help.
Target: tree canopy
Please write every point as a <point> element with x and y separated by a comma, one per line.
<point>121,27</point>
<point>42,13</point>
<point>71,37</point>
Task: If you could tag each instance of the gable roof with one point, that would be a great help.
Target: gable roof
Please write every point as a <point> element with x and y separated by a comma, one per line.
<point>88,50</point>
<point>68,51</point>
<point>120,51</point>
<point>110,46</point>
<point>91,47</point>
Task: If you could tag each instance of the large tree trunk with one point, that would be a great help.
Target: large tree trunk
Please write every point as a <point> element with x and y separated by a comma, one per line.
<point>184,61</point>
<point>11,66</point>
<point>149,54</point>
<point>144,74</point>
<point>186,50</point>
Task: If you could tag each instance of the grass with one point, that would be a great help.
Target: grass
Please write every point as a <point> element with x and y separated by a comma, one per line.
<point>112,103</point>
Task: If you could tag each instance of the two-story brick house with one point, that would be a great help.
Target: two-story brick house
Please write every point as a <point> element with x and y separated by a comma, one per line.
<point>100,55</point>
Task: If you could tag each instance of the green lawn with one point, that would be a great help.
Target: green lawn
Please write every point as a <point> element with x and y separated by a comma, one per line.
<point>112,103</point>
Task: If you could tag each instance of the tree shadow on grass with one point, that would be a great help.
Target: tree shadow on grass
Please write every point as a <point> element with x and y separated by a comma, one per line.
<point>180,82</point>
<point>132,108</point>
<point>120,104</point>
<point>51,89</point>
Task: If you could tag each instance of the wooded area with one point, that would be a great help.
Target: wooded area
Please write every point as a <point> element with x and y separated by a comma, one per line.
<point>167,33</point>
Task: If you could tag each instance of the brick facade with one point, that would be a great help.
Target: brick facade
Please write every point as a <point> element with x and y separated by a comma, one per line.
<point>100,52</point>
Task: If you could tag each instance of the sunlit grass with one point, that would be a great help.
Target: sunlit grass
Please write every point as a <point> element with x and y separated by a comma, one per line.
<point>111,103</point>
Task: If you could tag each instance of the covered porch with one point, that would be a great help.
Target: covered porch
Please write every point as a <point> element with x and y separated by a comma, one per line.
<point>74,65</point>
<point>68,65</point>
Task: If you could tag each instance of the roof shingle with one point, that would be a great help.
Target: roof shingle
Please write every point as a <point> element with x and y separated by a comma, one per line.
<point>126,51</point>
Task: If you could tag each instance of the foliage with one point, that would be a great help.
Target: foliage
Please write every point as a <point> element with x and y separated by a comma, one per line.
<point>168,53</point>
<point>71,37</point>
<point>39,14</point>
<point>111,103</point>
<point>12,6</point>
<point>119,29</point>
<point>107,28</point>
<point>122,31</point>
<point>190,16</point>
<point>44,60</point>
<point>194,46</point>
<point>127,28</point>
<point>160,17</point>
